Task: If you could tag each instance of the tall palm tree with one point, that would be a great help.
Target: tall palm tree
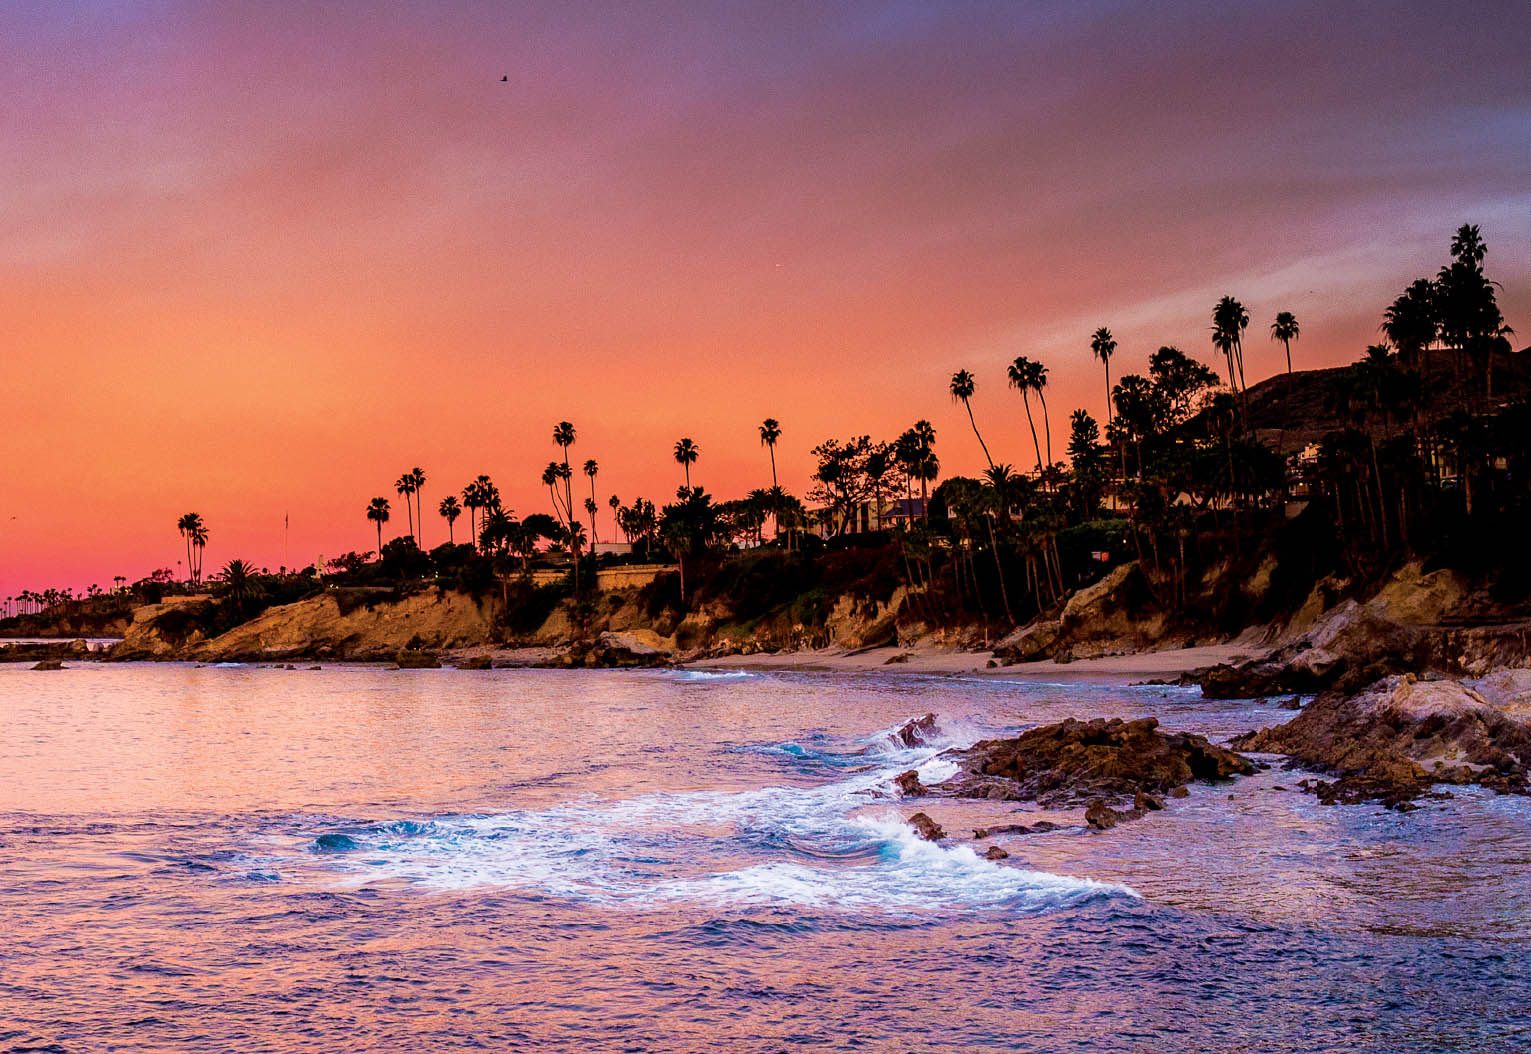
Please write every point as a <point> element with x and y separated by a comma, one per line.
<point>1229,320</point>
<point>616,515</point>
<point>563,437</point>
<point>450,510</point>
<point>591,468</point>
<point>405,485</point>
<point>186,524</point>
<point>1029,376</point>
<point>1285,329</point>
<point>962,387</point>
<point>927,467</point>
<point>1104,346</point>
<point>377,512</point>
<point>199,547</point>
<point>770,432</point>
<point>417,479</point>
<point>686,453</point>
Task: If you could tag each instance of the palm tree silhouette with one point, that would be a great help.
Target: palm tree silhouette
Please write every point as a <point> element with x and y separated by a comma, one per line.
<point>377,512</point>
<point>186,525</point>
<point>405,485</point>
<point>1285,329</point>
<point>686,453</point>
<point>417,479</point>
<point>450,510</point>
<point>198,534</point>
<point>1031,376</point>
<point>770,432</point>
<point>1103,346</point>
<point>1229,320</point>
<point>563,436</point>
<point>591,468</point>
<point>962,387</point>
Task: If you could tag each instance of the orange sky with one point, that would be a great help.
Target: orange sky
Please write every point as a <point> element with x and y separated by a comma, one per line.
<point>262,261</point>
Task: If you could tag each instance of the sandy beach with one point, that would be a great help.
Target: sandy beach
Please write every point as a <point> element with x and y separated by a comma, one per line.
<point>927,660</point>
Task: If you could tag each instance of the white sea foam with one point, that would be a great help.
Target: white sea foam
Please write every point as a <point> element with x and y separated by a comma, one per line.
<point>792,846</point>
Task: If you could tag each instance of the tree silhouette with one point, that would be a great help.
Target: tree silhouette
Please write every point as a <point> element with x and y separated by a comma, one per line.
<point>377,512</point>
<point>686,453</point>
<point>770,432</point>
<point>450,510</point>
<point>1285,329</point>
<point>962,387</point>
<point>1103,346</point>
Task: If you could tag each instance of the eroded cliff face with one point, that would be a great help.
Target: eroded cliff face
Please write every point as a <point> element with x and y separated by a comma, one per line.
<point>318,627</point>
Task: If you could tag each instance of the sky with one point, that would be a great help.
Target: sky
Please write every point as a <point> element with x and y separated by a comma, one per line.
<point>258,259</point>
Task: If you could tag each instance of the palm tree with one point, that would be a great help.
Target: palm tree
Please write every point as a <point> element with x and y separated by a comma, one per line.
<point>186,525</point>
<point>1410,322</point>
<point>450,510</point>
<point>377,512</point>
<point>1229,320</point>
<point>563,437</point>
<point>405,485</point>
<point>199,547</point>
<point>962,387</point>
<point>1285,330</point>
<point>1031,376</point>
<point>591,468</point>
<point>770,432</point>
<point>926,466</point>
<point>1103,346</point>
<point>417,479</point>
<point>686,453</point>
<point>237,582</point>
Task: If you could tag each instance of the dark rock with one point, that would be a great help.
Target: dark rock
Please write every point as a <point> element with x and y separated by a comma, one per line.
<point>49,664</point>
<point>1395,740</point>
<point>1146,802</point>
<point>908,784</point>
<point>409,659</point>
<point>994,852</point>
<point>901,657</point>
<point>1073,761</point>
<point>476,662</point>
<point>926,828</point>
<point>1179,792</point>
<point>1101,816</point>
<point>918,732</point>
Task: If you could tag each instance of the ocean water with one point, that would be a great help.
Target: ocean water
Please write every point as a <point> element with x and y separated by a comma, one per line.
<point>253,859</point>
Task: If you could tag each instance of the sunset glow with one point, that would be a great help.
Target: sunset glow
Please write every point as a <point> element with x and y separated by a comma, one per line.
<point>257,261</point>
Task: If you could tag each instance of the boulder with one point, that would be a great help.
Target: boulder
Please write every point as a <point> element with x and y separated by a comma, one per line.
<point>410,659</point>
<point>994,852</point>
<point>475,662</point>
<point>1101,816</point>
<point>909,785</point>
<point>49,664</point>
<point>1394,740</point>
<point>1074,761</point>
<point>918,732</point>
<point>926,828</point>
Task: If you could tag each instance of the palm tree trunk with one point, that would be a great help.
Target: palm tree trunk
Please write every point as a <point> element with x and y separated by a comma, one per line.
<point>986,457</point>
<point>1033,426</point>
<point>1047,428</point>
<point>775,493</point>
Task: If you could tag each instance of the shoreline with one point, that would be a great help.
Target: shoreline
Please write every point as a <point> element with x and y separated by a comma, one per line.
<point>1168,663</point>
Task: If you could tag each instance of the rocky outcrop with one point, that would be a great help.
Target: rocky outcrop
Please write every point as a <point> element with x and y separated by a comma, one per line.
<point>1116,614</point>
<point>609,651</point>
<point>165,630</point>
<point>1394,740</point>
<point>49,664</point>
<point>319,627</point>
<point>926,828</point>
<point>1075,761</point>
<point>411,659</point>
<point>53,651</point>
<point>1417,621</point>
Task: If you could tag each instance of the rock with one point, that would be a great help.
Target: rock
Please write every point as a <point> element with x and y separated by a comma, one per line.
<point>475,662</point>
<point>49,664</point>
<point>901,657</point>
<point>1400,736</point>
<point>908,784</point>
<point>1179,792</point>
<point>918,732</point>
<point>994,852</point>
<point>409,659</point>
<point>1073,761</point>
<point>926,828</point>
<point>1101,816</point>
<point>1147,802</point>
<point>1040,827</point>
